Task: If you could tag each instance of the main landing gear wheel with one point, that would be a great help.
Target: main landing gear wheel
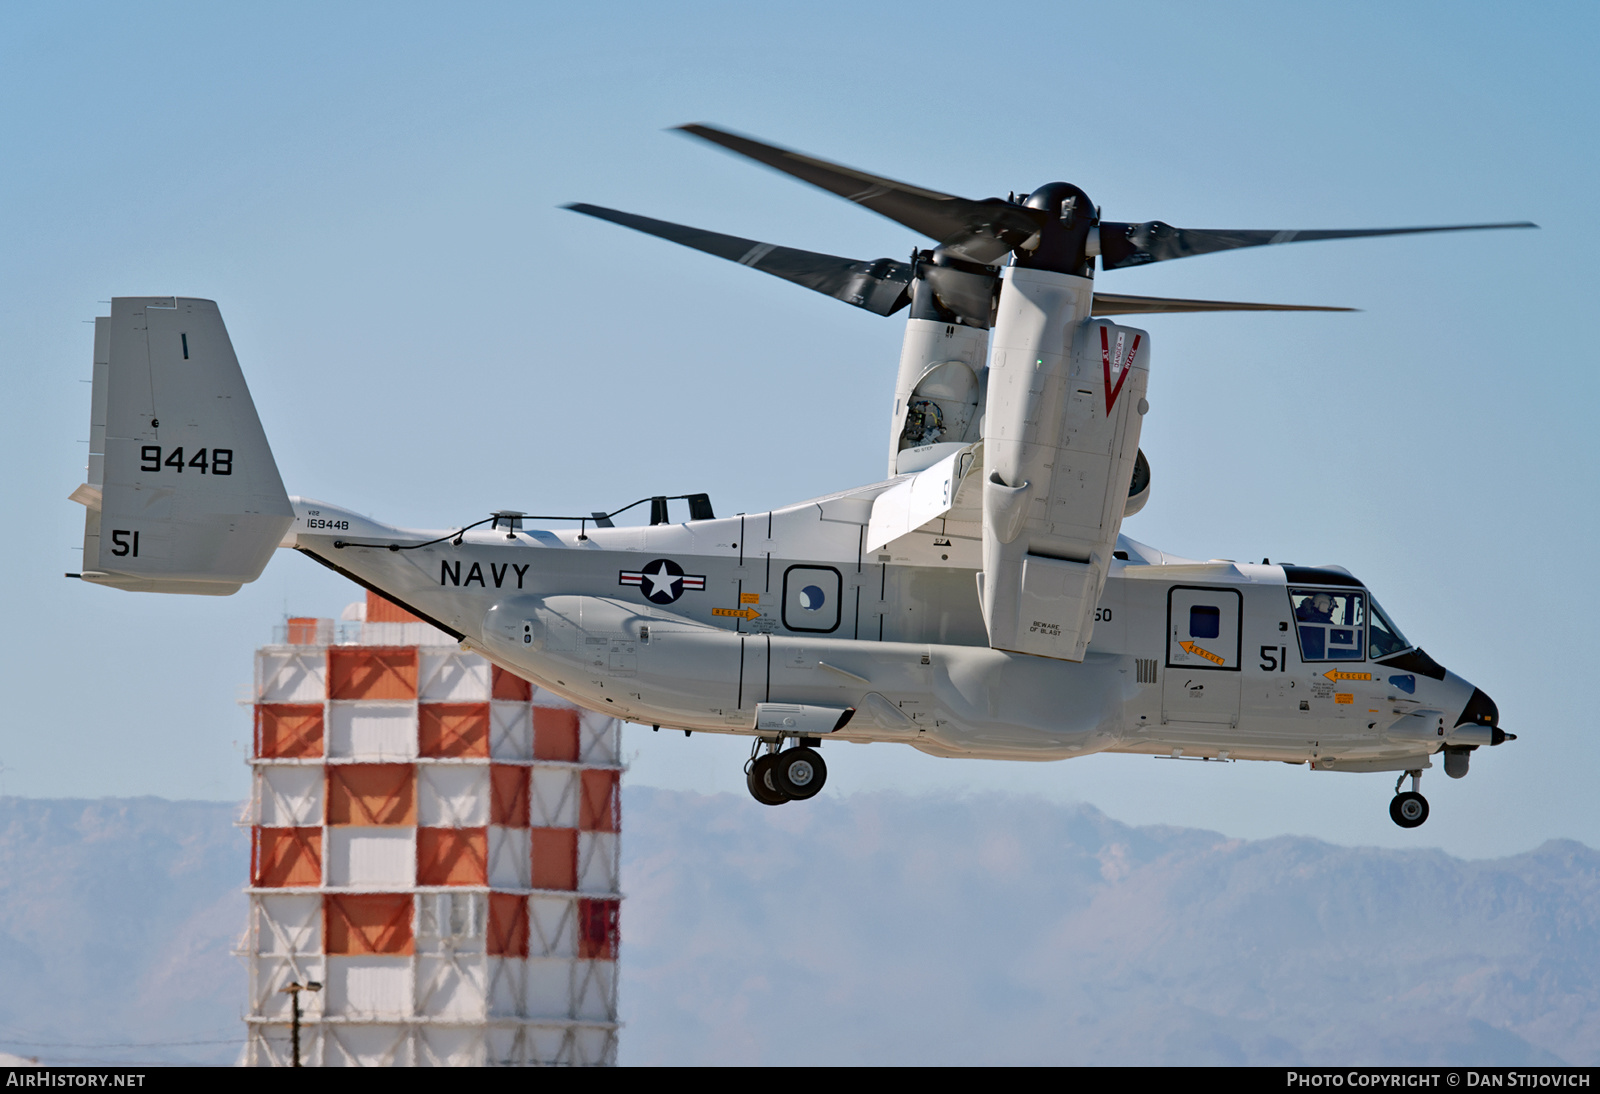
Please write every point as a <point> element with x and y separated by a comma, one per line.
<point>799,773</point>
<point>1409,809</point>
<point>763,786</point>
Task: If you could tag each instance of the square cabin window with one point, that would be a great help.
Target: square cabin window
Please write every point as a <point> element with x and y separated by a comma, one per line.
<point>1205,621</point>
<point>812,596</point>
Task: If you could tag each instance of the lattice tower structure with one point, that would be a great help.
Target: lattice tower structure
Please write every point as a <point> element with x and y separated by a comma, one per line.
<point>435,842</point>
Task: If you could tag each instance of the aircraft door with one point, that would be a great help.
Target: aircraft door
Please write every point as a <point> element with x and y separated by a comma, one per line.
<point>1204,631</point>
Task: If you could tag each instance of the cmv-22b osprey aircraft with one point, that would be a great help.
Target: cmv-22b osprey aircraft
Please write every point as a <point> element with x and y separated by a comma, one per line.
<point>979,602</point>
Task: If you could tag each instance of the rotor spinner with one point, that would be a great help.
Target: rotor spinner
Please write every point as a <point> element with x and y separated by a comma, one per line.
<point>1063,241</point>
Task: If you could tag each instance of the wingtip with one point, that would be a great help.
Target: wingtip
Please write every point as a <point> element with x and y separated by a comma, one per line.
<point>715,134</point>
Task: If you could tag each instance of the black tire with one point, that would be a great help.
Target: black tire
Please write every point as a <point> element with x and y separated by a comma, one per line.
<point>763,785</point>
<point>1409,810</point>
<point>800,773</point>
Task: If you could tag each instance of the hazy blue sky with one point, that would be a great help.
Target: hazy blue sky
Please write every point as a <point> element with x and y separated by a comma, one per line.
<point>371,194</point>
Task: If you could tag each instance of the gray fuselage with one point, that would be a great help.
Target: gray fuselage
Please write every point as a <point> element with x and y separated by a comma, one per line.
<point>692,625</point>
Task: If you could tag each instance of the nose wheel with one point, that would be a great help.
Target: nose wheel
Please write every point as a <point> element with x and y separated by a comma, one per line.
<point>784,774</point>
<point>1409,809</point>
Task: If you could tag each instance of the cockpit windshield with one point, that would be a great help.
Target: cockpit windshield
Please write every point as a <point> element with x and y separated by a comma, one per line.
<point>1330,623</point>
<point>1383,637</point>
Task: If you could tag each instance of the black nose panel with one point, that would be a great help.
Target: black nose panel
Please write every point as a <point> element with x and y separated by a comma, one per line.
<point>1480,711</point>
<point>1413,661</point>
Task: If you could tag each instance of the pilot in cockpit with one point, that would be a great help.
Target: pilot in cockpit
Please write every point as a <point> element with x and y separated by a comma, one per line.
<point>1315,609</point>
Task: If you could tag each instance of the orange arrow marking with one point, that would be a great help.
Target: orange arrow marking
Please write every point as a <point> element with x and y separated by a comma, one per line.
<point>739,613</point>
<point>1207,654</point>
<point>1335,674</point>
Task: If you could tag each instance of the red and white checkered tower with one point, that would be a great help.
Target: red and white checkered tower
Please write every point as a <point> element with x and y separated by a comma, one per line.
<point>435,842</point>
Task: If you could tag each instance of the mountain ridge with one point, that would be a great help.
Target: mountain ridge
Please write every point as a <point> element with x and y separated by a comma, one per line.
<point>888,928</point>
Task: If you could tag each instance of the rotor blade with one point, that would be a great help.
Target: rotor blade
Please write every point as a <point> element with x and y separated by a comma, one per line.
<point>1123,244</point>
<point>883,287</point>
<point>979,231</point>
<point>1113,304</point>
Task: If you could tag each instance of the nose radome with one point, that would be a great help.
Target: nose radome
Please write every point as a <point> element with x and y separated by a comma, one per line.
<point>1479,711</point>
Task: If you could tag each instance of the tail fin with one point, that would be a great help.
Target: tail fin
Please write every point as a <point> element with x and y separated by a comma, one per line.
<point>183,494</point>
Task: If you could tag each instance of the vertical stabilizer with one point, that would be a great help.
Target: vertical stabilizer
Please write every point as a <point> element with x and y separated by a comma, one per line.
<point>183,495</point>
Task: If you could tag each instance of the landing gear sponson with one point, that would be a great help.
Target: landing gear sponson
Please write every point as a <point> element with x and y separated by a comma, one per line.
<point>780,774</point>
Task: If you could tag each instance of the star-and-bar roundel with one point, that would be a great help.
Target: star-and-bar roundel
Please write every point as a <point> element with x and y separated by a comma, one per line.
<point>662,581</point>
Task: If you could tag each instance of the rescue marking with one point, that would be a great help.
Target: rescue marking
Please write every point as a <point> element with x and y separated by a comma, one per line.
<point>738,613</point>
<point>662,581</point>
<point>1335,674</point>
<point>1116,364</point>
<point>1194,649</point>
